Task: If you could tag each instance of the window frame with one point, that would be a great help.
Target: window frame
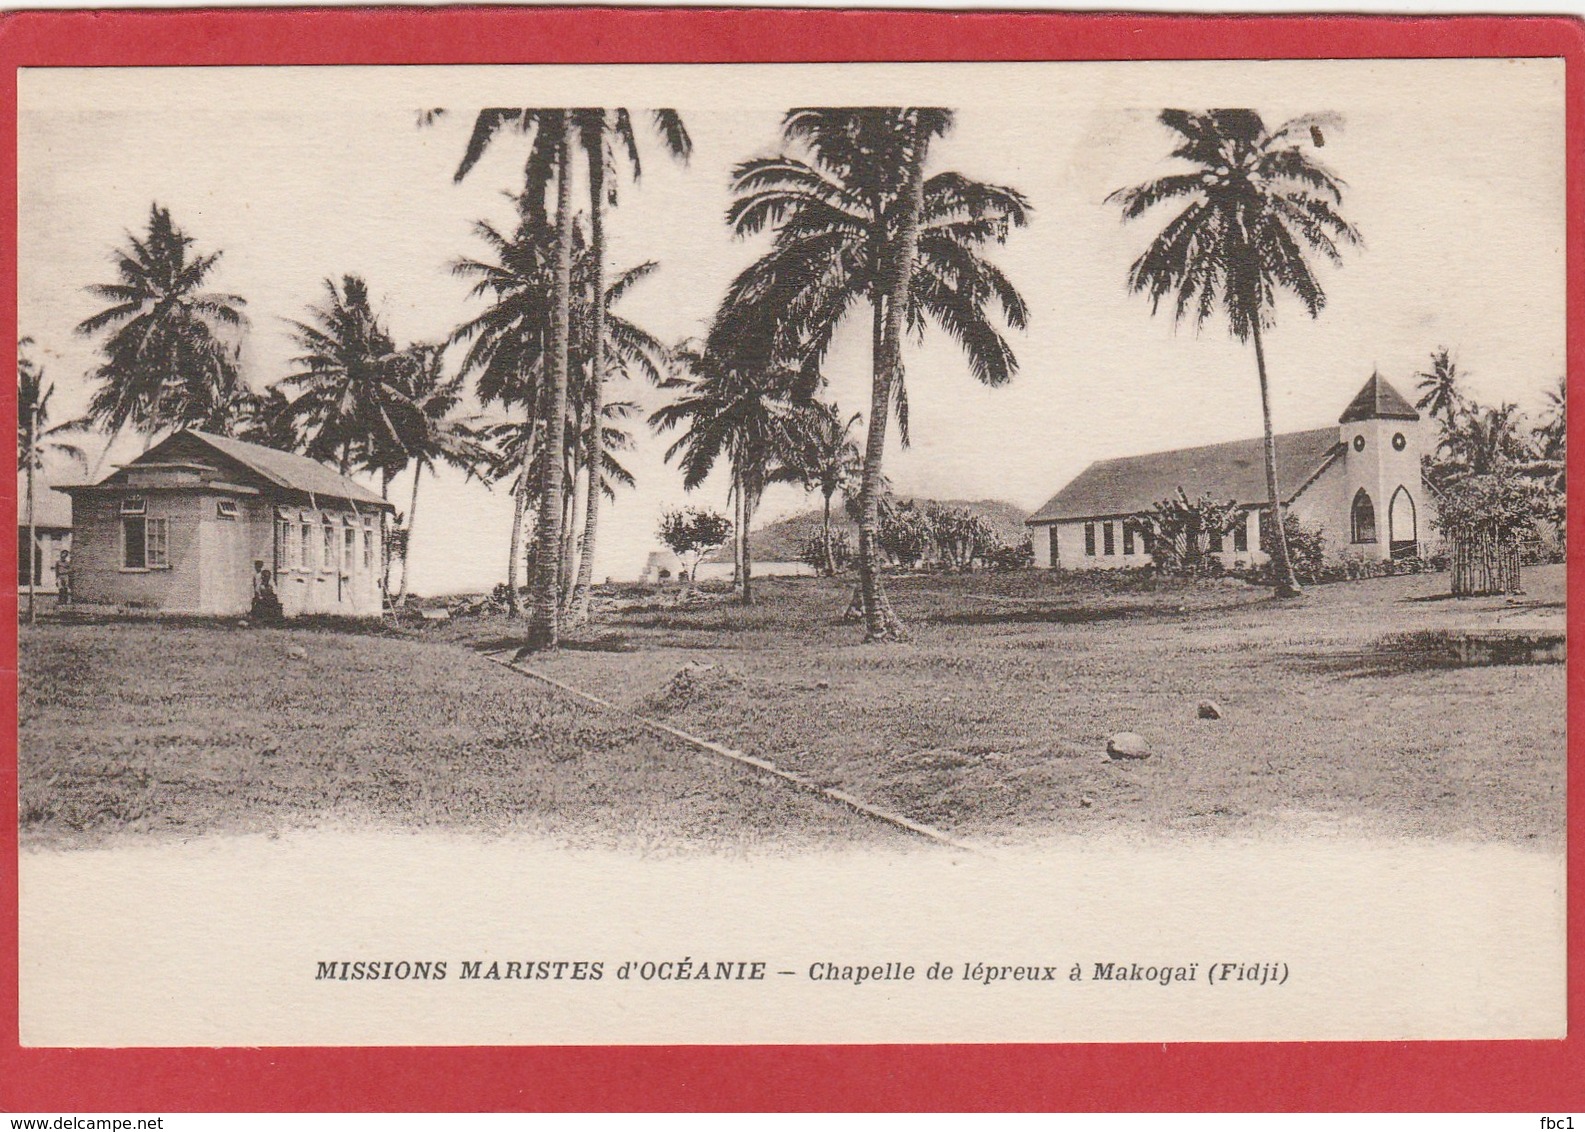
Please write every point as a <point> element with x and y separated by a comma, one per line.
<point>330,551</point>
<point>1241,534</point>
<point>1109,539</point>
<point>1128,538</point>
<point>1089,540</point>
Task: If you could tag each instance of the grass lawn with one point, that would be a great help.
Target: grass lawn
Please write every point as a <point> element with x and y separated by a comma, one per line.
<point>186,729</point>
<point>1341,714</point>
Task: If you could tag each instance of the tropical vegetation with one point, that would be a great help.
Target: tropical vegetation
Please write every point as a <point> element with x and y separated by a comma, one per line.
<point>1254,209</point>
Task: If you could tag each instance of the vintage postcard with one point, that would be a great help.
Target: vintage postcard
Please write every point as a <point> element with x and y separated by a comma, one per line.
<point>704,553</point>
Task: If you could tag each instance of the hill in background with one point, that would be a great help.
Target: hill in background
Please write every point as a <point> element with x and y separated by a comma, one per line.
<point>780,541</point>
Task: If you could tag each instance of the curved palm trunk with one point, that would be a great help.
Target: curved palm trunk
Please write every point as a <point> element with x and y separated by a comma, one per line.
<point>596,456</point>
<point>880,623</point>
<point>514,553</point>
<point>544,629</point>
<point>1287,584</point>
<point>412,514</point>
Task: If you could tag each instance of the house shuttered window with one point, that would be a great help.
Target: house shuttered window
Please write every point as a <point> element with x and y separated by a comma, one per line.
<point>305,548</point>
<point>368,549</point>
<point>1089,539</point>
<point>328,562</point>
<point>1241,534</point>
<point>1110,536</point>
<point>1128,538</point>
<point>349,550</point>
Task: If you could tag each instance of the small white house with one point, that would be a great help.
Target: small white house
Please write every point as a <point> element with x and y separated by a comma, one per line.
<point>1359,482</point>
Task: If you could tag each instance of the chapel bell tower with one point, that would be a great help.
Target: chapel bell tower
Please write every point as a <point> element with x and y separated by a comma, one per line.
<point>1385,510</point>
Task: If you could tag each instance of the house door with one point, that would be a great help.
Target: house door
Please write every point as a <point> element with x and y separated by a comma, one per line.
<point>1401,525</point>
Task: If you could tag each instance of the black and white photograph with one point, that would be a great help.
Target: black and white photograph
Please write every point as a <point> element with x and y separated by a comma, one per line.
<point>990,552</point>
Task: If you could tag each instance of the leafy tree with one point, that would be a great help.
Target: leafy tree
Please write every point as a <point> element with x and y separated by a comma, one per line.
<point>830,552</point>
<point>692,532</point>
<point>1255,208</point>
<point>172,348</point>
<point>857,221</point>
<point>961,538</point>
<point>1179,530</point>
<point>1306,546</point>
<point>1485,517</point>
<point>906,534</point>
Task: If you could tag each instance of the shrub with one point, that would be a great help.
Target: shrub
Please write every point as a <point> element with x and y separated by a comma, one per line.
<point>1018,556</point>
<point>812,551</point>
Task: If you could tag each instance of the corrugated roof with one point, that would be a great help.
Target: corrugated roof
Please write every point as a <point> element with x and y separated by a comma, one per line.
<point>1378,399</point>
<point>1235,470</point>
<point>50,508</point>
<point>283,469</point>
<point>288,469</point>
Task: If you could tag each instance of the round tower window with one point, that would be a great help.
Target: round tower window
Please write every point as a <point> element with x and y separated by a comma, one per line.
<point>1359,443</point>
<point>1399,442</point>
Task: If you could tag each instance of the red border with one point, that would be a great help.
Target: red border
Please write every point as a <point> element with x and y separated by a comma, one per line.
<point>1406,1076</point>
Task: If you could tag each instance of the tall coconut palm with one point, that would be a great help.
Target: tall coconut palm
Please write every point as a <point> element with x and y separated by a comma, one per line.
<point>857,220</point>
<point>346,380</point>
<point>549,166</point>
<point>825,458</point>
<point>1441,389</point>
<point>1254,208</point>
<point>172,349</point>
<point>605,135</point>
<point>732,412</point>
<point>509,341</point>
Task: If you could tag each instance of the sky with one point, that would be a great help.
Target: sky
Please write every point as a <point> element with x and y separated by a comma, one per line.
<point>1454,172</point>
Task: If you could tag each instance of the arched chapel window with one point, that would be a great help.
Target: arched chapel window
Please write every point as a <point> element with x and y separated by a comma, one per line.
<point>1364,518</point>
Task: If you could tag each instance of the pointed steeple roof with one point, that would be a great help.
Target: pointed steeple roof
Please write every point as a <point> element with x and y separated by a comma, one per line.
<point>1378,400</point>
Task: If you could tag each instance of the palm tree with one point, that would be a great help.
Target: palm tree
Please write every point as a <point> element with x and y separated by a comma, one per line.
<point>825,458</point>
<point>553,136</point>
<point>509,342</point>
<point>605,134</point>
<point>1489,440</point>
<point>36,438</point>
<point>270,421</point>
<point>1254,204</point>
<point>346,380</point>
<point>1441,389</point>
<point>730,411</point>
<point>173,348</point>
<point>1552,433</point>
<point>429,431</point>
<point>858,221</point>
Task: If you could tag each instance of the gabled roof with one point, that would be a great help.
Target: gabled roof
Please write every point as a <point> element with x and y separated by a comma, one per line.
<point>1236,471</point>
<point>281,469</point>
<point>1378,399</point>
